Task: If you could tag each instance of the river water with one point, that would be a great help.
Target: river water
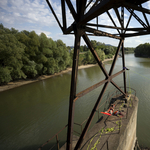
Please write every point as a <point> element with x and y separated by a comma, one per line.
<point>33,113</point>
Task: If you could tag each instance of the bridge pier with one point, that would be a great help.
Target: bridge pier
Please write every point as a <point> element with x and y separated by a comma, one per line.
<point>112,132</point>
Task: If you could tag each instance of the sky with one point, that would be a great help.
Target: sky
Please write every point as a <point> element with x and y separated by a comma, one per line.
<point>35,15</point>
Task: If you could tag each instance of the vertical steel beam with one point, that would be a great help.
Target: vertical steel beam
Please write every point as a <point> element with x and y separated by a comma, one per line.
<point>122,18</point>
<point>80,8</point>
<point>83,134</point>
<point>123,64</point>
<point>97,22</point>
<point>73,88</point>
<point>63,14</point>
<point>122,48</point>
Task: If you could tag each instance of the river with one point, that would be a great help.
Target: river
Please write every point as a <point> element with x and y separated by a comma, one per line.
<point>33,113</point>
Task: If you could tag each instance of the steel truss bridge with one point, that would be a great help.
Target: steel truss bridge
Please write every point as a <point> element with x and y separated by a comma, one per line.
<point>83,13</point>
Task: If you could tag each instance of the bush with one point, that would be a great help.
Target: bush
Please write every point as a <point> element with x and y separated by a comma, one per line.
<point>5,76</point>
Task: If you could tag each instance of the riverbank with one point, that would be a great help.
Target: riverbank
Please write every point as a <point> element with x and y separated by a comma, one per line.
<point>18,83</point>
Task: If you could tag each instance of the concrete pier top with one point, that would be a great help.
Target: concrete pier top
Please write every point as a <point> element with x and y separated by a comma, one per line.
<point>114,132</point>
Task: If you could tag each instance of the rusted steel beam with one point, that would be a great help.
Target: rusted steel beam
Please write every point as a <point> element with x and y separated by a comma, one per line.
<point>112,21</point>
<point>72,10</point>
<point>101,33</point>
<point>87,41</point>
<point>78,6</point>
<point>123,64</point>
<point>63,14</point>
<point>97,22</point>
<point>135,7</point>
<point>136,17</point>
<point>100,8</point>
<point>122,18</point>
<point>57,140</point>
<point>137,29</point>
<point>136,34</point>
<point>90,89</point>
<point>73,88</point>
<point>103,26</point>
<point>69,30</point>
<point>115,58</point>
<point>137,2</point>
<point>51,8</point>
<point>84,92</point>
<point>81,8</point>
<point>83,134</point>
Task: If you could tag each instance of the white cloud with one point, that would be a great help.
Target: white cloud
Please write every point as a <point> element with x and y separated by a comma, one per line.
<point>27,11</point>
<point>147,5</point>
<point>36,15</point>
<point>135,41</point>
<point>67,39</point>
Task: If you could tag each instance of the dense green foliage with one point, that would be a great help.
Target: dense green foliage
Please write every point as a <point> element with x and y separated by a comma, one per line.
<point>26,55</point>
<point>103,51</point>
<point>142,50</point>
<point>129,49</point>
<point>106,50</point>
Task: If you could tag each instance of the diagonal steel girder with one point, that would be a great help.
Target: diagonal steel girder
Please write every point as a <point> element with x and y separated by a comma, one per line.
<point>83,134</point>
<point>136,17</point>
<point>108,76</point>
<point>135,7</point>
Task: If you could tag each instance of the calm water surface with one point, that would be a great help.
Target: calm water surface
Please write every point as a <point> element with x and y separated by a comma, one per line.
<point>33,113</point>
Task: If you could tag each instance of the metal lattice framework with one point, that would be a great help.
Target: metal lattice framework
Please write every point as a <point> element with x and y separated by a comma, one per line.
<point>83,13</point>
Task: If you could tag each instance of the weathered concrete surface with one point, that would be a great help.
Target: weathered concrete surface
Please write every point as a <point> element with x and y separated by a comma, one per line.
<point>124,135</point>
<point>122,138</point>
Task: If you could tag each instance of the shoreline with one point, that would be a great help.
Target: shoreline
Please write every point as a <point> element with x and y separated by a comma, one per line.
<point>18,83</point>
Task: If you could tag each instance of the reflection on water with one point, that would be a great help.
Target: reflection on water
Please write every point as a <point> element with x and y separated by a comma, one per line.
<point>31,114</point>
<point>133,61</point>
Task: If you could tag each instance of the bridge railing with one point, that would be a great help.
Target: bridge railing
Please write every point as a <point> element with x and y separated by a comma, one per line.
<point>57,140</point>
<point>105,104</point>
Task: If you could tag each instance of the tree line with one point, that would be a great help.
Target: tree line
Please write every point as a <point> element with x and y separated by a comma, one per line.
<point>25,54</point>
<point>142,50</point>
